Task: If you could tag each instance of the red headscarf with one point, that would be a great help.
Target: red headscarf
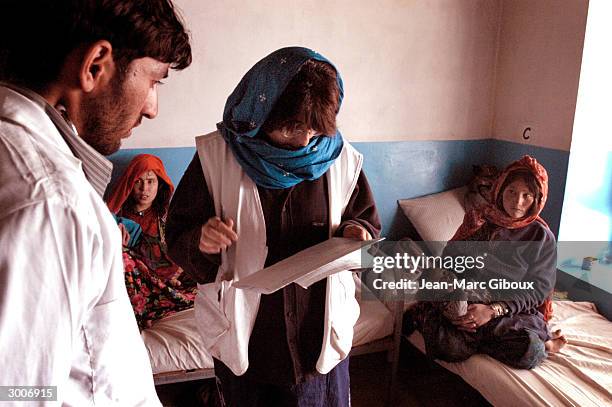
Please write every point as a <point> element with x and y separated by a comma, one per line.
<point>475,218</point>
<point>139,165</point>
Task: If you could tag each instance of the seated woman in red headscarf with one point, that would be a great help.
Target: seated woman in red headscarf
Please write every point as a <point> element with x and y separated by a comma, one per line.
<point>511,324</point>
<point>156,285</point>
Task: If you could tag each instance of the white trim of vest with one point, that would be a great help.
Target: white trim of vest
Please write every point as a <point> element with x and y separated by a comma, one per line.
<point>225,315</point>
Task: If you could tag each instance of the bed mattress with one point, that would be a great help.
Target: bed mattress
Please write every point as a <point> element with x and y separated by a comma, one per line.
<point>174,344</point>
<point>580,375</point>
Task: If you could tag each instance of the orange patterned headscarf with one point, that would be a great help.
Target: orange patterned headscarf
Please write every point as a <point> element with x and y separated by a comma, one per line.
<point>474,219</point>
<point>139,165</point>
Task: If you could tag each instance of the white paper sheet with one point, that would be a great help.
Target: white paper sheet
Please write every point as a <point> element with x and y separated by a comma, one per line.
<point>308,266</point>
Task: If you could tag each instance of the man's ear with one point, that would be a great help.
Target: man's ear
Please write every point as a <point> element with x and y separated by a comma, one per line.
<point>97,66</point>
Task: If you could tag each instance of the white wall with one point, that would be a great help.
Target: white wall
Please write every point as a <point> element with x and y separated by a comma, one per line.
<point>413,69</point>
<point>538,69</point>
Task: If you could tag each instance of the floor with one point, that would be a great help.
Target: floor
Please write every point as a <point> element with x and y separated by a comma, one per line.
<point>421,382</point>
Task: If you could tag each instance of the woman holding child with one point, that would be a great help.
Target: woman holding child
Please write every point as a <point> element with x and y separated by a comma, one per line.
<point>512,327</point>
<point>156,285</point>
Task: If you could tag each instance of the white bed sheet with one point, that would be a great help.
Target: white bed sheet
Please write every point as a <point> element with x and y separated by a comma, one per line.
<point>580,375</point>
<point>174,344</point>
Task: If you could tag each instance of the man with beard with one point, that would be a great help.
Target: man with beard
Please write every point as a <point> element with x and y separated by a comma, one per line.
<point>81,78</point>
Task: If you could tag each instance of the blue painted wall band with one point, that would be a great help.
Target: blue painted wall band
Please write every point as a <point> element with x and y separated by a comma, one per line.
<point>409,169</point>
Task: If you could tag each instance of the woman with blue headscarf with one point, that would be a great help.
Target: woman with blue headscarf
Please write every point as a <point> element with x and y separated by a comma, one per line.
<point>275,178</point>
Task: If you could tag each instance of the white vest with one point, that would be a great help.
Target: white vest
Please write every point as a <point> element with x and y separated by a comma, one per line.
<point>225,315</point>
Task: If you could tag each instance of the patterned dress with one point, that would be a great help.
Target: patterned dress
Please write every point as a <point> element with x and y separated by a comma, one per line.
<point>156,285</point>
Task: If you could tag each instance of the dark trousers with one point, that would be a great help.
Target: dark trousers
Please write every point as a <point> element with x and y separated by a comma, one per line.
<point>516,340</point>
<point>329,390</point>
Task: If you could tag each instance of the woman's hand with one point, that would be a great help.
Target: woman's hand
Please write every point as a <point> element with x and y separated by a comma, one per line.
<point>356,232</point>
<point>477,315</point>
<point>217,235</point>
<point>125,236</point>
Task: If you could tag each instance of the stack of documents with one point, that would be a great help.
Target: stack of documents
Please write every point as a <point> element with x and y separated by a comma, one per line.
<point>308,266</point>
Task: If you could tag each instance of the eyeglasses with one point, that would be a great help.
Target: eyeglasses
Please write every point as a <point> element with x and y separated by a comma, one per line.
<point>298,132</point>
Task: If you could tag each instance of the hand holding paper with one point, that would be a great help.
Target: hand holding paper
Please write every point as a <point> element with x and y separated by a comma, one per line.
<point>308,266</point>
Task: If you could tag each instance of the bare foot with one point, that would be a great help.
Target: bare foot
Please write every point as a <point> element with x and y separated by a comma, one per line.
<point>557,342</point>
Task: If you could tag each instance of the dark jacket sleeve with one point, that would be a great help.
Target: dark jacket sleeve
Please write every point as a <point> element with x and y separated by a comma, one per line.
<point>190,208</point>
<point>361,209</point>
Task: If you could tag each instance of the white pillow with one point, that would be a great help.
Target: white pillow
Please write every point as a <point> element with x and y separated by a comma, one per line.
<point>436,217</point>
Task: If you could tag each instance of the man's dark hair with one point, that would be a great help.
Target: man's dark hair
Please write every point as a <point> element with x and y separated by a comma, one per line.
<point>310,99</point>
<point>37,36</point>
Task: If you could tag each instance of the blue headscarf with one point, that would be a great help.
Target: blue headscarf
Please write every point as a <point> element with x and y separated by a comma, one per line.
<point>248,107</point>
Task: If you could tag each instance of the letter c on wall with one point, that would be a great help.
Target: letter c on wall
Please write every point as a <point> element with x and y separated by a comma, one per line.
<point>526,132</point>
